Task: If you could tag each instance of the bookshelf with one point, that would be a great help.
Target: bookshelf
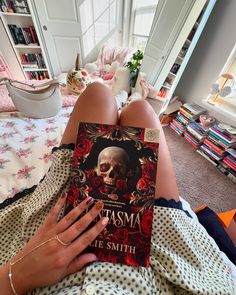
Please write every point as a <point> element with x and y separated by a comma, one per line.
<point>180,62</point>
<point>20,26</point>
<point>181,56</point>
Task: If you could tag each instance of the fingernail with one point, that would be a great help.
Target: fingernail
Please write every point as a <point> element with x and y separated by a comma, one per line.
<point>64,195</point>
<point>89,201</point>
<point>99,205</point>
<point>105,220</point>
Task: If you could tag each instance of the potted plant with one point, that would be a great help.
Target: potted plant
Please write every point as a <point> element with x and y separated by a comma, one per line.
<point>134,66</point>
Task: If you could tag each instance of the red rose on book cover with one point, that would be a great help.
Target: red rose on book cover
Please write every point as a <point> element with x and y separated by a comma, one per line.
<point>149,170</point>
<point>146,223</point>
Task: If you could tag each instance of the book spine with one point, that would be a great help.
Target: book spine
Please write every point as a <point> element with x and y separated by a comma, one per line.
<point>214,151</point>
<point>193,139</point>
<point>194,133</point>
<point>231,152</point>
<point>230,164</point>
<point>231,159</point>
<point>219,139</point>
<point>182,119</point>
<point>214,147</point>
<point>210,152</point>
<point>221,135</point>
<point>227,173</point>
<point>12,31</point>
<point>189,141</point>
<point>185,113</point>
<point>203,154</point>
<point>224,133</point>
<point>25,36</point>
<point>20,36</point>
<point>172,126</point>
<point>32,34</point>
<point>176,123</point>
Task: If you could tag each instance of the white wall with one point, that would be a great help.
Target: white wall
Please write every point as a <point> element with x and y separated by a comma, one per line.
<point>9,55</point>
<point>210,54</point>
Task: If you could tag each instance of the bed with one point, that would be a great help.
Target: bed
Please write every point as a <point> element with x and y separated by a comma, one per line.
<point>26,145</point>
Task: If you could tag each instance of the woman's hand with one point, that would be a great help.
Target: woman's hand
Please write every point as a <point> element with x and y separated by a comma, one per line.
<point>51,262</point>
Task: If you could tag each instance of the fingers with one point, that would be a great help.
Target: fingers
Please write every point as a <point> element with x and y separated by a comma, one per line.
<point>80,262</point>
<point>86,239</point>
<point>73,215</point>
<point>79,226</point>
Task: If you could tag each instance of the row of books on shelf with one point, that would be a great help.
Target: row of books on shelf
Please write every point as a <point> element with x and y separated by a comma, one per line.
<point>32,60</point>
<point>37,75</point>
<point>214,142</point>
<point>25,36</point>
<point>14,6</point>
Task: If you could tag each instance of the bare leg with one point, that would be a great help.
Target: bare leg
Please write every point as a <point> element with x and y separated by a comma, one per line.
<point>140,114</point>
<point>95,105</point>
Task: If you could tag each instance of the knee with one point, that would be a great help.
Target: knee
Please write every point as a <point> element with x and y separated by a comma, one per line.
<point>96,88</point>
<point>96,92</point>
<point>139,106</point>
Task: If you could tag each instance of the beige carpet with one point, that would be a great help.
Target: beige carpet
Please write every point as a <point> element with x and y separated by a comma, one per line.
<point>198,180</point>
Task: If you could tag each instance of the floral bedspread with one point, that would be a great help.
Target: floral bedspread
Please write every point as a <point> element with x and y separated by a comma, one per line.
<point>25,149</point>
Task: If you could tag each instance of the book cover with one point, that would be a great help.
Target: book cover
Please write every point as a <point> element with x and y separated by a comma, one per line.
<point>117,165</point>
<point>195,134</point>
<point>194,108</point>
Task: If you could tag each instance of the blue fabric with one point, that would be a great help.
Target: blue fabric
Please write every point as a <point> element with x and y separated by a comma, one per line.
<point>162,202</point>
<point>215,229</point>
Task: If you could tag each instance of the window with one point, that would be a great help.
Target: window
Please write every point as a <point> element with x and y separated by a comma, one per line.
<point>141,21</point>
<point>221,103</point>
<point>100,22</point>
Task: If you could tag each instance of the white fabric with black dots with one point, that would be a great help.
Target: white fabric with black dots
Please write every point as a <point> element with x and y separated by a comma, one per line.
<point>184,259</point>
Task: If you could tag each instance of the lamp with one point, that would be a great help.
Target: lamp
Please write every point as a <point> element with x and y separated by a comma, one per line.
<point>225,90</point>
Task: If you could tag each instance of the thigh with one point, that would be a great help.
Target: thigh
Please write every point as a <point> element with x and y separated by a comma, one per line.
<point>95,105</point>
<point>140,114</point>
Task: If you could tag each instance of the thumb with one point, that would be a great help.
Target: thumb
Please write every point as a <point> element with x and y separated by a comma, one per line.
<point>79,262</point>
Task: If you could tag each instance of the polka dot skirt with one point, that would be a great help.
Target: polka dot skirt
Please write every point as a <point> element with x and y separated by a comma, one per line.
<point>184,259</point>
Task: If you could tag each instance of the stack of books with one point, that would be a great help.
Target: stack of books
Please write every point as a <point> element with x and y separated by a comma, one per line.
<point>14,6</point>
<point>25,36</point>
<point>179,124</point>
<point>230,159</point>
<point>32,60</point>
<point>187,114</point>
<point>216,144</point>
<point>195,133</point>
<point>192,110</point>
<point>228,166</point>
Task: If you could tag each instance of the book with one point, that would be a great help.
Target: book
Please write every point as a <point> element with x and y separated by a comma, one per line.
<point>189,140</point>
<point>208,157</point>
<point>13,34</point>
<point>194,109</point>
<point>232,151</point>
<point>227,171</point>
<point>117,165</point>
<point>176,129</point>
<point>211,152</point>
<point>198,136</point>
<point>214,147</point>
